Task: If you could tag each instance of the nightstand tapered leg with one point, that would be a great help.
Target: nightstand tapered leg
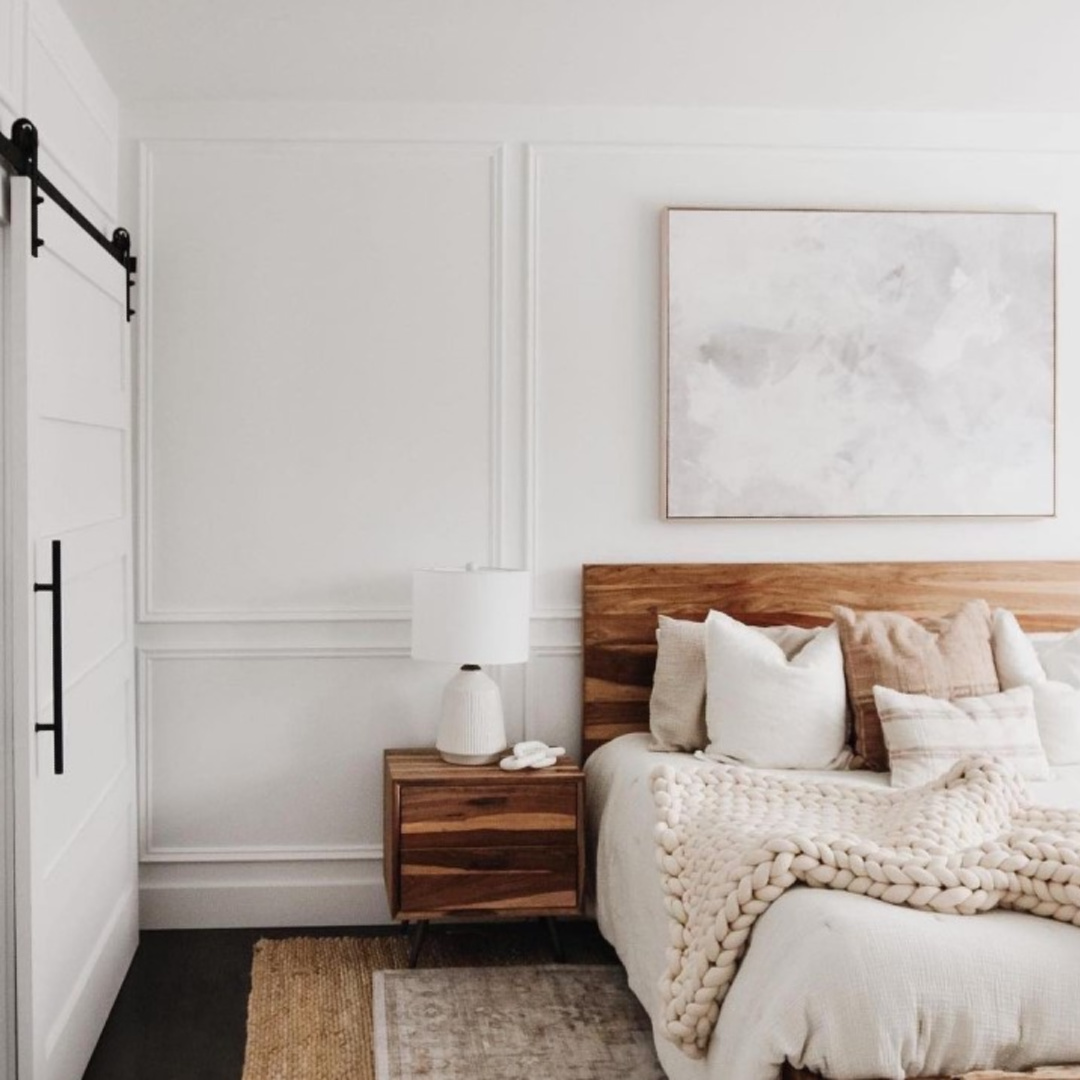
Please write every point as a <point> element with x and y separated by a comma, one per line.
<point>556,941</point>
<point>417,933</point>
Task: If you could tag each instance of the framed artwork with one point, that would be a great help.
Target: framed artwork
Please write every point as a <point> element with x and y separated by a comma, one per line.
<point>824,363</point>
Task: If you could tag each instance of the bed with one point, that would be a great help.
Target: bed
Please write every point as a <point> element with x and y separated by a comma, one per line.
<point>824,969</point>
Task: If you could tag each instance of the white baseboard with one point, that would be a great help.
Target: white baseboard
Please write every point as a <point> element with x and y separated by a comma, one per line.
<point>204,896</point>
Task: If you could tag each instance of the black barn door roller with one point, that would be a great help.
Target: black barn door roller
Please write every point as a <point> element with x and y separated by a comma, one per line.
<point>20,151</point>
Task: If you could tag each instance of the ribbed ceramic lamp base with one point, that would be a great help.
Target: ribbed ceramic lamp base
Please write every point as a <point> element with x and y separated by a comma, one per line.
<point>471,759</point>
<point>471,730</point>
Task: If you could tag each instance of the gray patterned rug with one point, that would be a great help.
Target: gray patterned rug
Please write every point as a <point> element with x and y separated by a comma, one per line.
<point>562,1021</point>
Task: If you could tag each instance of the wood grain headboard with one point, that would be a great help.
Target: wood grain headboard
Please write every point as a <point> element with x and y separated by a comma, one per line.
<point>620,604</point>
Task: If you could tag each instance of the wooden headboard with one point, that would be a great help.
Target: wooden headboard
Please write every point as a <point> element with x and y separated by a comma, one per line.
<point>620,604</point>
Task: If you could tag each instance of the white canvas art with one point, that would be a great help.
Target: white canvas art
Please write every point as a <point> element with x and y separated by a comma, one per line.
<point>859,364</point>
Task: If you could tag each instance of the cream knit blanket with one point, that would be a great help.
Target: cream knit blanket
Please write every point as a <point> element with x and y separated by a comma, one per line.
<point>732,840</point>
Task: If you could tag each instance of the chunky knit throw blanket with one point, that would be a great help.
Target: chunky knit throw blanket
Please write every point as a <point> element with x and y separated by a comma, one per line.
<point>732,840</point>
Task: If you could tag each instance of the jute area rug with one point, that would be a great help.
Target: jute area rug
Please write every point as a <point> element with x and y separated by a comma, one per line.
<point>310,1013</point>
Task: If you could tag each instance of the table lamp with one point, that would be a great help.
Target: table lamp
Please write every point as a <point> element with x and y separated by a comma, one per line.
<point>471,616</point>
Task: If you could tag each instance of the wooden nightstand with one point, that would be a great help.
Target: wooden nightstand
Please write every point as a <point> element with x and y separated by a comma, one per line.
<point>479,842</point>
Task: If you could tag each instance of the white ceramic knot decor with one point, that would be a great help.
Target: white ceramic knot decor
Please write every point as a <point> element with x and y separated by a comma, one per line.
<point>531,754</point>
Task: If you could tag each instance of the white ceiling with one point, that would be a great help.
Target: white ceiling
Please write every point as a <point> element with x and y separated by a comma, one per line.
<point>984,55</point>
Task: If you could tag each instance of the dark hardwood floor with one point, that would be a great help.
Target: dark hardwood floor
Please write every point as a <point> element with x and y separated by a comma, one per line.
<point>182,1011</point>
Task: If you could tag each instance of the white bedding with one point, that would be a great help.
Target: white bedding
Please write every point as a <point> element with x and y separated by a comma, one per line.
<point>912,993</point>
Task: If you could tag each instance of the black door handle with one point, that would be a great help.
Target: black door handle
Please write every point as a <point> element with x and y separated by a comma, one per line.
<point>57,726</point>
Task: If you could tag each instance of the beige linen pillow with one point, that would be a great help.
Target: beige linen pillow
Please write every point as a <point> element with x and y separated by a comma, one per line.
<point>677,704</point>
<point>946,657</point>
<point>927,736</point>
<point>1057,699</point>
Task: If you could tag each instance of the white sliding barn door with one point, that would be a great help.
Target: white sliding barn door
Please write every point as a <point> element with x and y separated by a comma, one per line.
<point>68,476</point>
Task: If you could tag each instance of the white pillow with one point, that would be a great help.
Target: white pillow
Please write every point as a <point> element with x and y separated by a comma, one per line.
<point>1060,657</point>
<point>766,710</point>
<point>1052,669</point>
<point>927,736</point>
<point>677,702</point>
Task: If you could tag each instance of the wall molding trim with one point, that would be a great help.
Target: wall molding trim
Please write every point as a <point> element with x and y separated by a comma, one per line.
<point>669,126</point>
<point>271,652</point>
<point>327,615</point>
<point>193,897</point>
<point>546,651</point>
<point>496,349</point>
<point>536,162</point>
<point>354,853</point>
<point>147,609</point>
<point>532,366</point>
<point>370,637</point>
<point>149,852</point>
<point>143,383</point>
<point>1056,144</point>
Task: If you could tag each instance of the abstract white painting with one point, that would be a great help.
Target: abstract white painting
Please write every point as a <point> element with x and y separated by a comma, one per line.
<point>859,364</point>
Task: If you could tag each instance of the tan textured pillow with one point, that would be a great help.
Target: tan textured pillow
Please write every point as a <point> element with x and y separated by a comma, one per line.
<point>946,657</point>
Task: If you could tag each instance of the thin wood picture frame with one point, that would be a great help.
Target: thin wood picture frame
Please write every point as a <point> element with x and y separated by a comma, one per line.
<point>823,363</point>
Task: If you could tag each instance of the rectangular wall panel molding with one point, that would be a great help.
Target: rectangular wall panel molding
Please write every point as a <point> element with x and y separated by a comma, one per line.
<point>260,754</point>
<point>453,353</point>
<point>388,289</point>
<point>594,456</point>
<point>243,884</point>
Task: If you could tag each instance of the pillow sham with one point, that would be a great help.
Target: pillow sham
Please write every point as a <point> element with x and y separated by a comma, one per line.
<point>926,736</point>
<point>944,657</point>
<point>769,710</point>
<point>1020,662</point>
<point>677,703</point>
<point>1060,657</point>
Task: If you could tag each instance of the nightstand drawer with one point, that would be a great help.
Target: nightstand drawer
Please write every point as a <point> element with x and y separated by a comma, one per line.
<point>489,815</point>
<point>458,880</point>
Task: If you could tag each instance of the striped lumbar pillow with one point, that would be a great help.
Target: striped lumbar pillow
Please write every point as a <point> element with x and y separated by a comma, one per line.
<point>926,736</point>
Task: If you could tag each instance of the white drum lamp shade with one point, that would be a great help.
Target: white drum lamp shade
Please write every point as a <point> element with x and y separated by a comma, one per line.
<point>471,616</point>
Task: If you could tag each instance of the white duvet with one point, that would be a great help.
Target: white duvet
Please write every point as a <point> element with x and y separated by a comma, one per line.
<point>842,984</point>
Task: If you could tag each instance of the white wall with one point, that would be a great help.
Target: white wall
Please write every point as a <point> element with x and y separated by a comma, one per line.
<point>428,334</point>
<point>47,74</point>
<point>990,55</point>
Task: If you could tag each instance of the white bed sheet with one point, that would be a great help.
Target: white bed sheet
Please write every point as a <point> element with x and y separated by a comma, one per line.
<point>848,986</point>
